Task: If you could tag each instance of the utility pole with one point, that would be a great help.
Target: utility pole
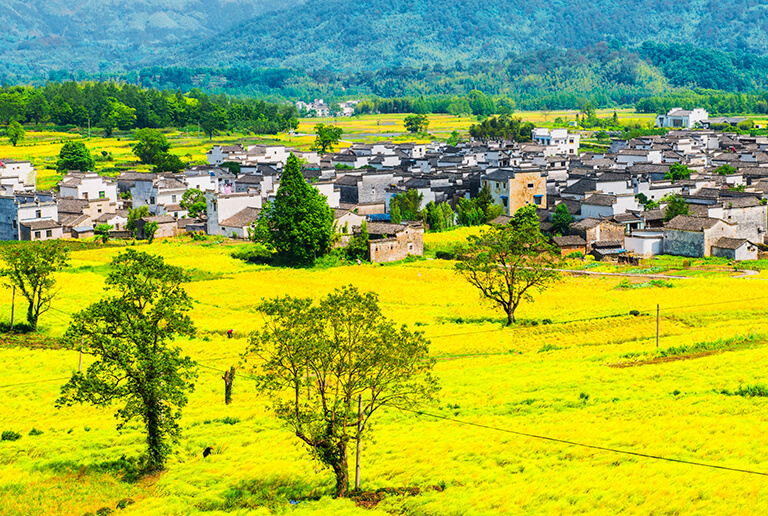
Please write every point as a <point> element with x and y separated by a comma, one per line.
<point>82,343</point>
<point>13,304</point>
<point>657,326</point>
<point>357,456</point>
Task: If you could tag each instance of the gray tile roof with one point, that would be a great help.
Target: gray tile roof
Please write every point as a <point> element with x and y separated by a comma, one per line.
<point>691,223</point>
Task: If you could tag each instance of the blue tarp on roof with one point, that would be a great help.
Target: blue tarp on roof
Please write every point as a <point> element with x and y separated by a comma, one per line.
<point>379,217</point>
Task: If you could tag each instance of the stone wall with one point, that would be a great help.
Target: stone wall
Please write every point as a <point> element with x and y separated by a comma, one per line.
<point>409,241</point>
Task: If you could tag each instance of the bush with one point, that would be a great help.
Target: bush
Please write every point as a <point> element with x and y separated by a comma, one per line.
<point>634,312</point>
<point>749,391</point>
<point>18,327</point>
<point>10,435</point>
<point>35,431</point>
<point>125,502</point>
<point>575,255</point>
<point>253,253</point>
<point>230,420</point>
<point>445,255</point>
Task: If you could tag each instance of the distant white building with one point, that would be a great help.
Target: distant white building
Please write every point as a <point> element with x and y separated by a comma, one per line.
<point>682,118</point>
<point>556,141</point>
<point>17,176</point>
<point>88,185</point>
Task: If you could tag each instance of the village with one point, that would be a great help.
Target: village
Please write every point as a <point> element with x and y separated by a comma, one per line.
<point>616,200</point>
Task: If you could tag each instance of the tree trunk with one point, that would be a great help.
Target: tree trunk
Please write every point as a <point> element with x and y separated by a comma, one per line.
<point>341,471</point>
<point>510,316</point>
<point>228,377</point>
<point>32,316</point>
<point>155,450</point>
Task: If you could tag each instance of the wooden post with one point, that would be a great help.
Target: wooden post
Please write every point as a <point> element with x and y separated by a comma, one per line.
<point>82,343</point>
<point>657,326</point>
<point>357,456</point>
<point>13,304</point>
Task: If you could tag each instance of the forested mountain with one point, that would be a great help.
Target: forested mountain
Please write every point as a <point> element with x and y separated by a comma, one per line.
<point>108,35</point>
<point>353,35</point>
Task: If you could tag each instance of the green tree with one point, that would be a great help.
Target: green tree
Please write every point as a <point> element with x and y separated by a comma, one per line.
<point>104,230</point>
<point>300,220</point>
<point>676,205</point>
<point>455,138</point>
<point>150,143</point>
<point>561,220</point>
<point>30,267</point>
<point>130,335</point>
<point>725,170</point>
<point>344,350</point>
<point>394,212</point>
<point>506,263</point>
<point>135,214</point>
<point>678,171</point>
<point>194,202</point>
<point>150,228</point>
<point>326,136</point>
<point>416,123</point>
<point>213,121</point>
<point>15,132</point>
<point>526,217</point>
<point>358,244</point>
<point>410,204</point>
<point>168,162</point>
<point>74,156</point>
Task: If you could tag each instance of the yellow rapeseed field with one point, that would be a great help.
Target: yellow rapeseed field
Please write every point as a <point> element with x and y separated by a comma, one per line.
<point>548,376</point>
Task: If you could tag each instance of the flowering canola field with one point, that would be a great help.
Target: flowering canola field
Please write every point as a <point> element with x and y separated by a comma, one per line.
<point>549,376</point>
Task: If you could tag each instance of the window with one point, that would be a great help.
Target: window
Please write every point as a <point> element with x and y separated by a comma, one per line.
<point>37,235</point>
<point>85,195</point>
<point>38,214</point>
<point>151,200</point>
<point>530,185</point>
<point>49,233</point>
<point>102,194</point>
<point>14,225</point>
<point>537,199</point>
<point>99,210</point>
<point>173,198</point>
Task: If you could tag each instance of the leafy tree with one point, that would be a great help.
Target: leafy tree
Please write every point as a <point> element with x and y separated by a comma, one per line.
<point>30,267</point>
<point>150,228</point>
<point>74,156</point>
<point>104,230</point>
<point>130,336</point>
<point>394,212</point>
<point>38,108</point>
<point>232,166</point>
<point>676,205</point>
<point>561,220</point>
<point>342,349</point>
<point>469,213</point>
<point>194,202</point>
<point>326,136</point>
<point>410,204</point>
<point>168,162</point>
<point>416,123</point>
<point>725,170</point>
<point>455,138</point>
<point>358,244</point>
<point>150,144</point>
<point>300,220</point>
<point>135,214</point>
<point>526,217</point>
<point>678,171</point>
<point>503,127</point>
<point>506,263</point>
<point>213,121</point>
<point>15,132</point>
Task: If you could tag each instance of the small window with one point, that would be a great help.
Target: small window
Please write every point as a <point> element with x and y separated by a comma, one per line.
<point>85,195</point>
<point>173,198</point>
<point>102,194</point>
<point>37,235</point>
<point>530,185</point>
<point>99,210</point>
<point>49,233</point>
<point>151,200</point>
<point>38,214</point>
<point>14,225</point>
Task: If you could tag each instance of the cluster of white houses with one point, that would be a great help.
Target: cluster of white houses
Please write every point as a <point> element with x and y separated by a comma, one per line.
<point>604,192</point>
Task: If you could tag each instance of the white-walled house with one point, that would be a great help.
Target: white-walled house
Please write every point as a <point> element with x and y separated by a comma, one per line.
<point>556,141</point>
<point>17,176</point>
<point>221,207</point>
<point>161,195</point>
<point>29,216</point>
<point>680,118</point>
<point>88,185</point>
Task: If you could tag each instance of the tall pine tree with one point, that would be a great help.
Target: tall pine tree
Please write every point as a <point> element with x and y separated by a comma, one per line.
<point>300,220</point>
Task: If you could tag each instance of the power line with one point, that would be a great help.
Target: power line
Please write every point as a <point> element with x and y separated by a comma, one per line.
<point>32,383</point>
<point>583,445</point>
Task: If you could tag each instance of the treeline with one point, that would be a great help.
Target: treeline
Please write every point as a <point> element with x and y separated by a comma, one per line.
<point>110,105</point>
<point>715,102</point>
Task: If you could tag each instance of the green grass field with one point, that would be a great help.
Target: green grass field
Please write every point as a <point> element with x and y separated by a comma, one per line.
<point>552,375</point>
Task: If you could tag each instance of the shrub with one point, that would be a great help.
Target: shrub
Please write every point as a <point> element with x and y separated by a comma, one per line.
<point>253,253</point>
<point>125,502</point>
<point>575,255</point>
<point>10,435</point>
<point>749,391</point>
<point>546,321</point>
<point>230,420</point>
<point>445,255</point>
<point>584,397</point>
<point>686,263</point>
<point>548,347</point>
<point>634,312</point>
<point>35,431</point>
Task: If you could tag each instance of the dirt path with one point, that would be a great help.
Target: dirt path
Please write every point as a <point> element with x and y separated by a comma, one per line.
<point>577,272</point>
